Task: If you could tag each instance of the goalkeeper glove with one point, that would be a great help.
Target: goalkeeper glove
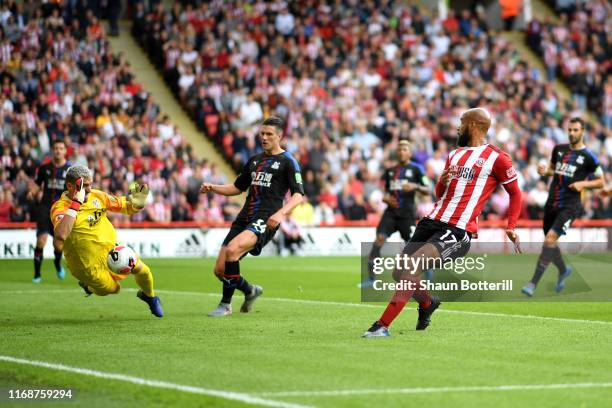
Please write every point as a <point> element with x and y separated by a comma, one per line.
<point>79,196</point>
<point>137,195</point>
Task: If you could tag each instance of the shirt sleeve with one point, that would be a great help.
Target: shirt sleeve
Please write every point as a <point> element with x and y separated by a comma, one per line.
<point>243,181</point>
<point>294,176</point>
<point>386,181</point>
<point>39,176</point>
<point>554,157</point>
<point>58,210</point>
<point>116,204</point>
<point>503,170</point>
<point>594,166</point>
<point>421,178</point>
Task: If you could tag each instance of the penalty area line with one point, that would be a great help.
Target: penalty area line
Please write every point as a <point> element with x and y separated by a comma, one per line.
<point>229,395</point>
<point>434,390</point>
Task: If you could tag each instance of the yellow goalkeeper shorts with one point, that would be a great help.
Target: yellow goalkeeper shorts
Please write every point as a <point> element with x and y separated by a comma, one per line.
<point>101,280</point>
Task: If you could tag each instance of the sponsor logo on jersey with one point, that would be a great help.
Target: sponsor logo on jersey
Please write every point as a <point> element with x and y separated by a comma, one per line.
<point>565,169</point>
<point>56,184</point>
<point>396,185</point>
<point>462,172</point>
<point>261,178</point>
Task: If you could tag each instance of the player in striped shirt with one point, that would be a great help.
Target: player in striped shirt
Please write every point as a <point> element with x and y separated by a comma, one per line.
<point>570,165</point>
<point>472,172</point>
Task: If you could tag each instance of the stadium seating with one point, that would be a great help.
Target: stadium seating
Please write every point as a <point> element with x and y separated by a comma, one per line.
<point>352,80</point>
<point>60,79</point>
<point>348,83</point>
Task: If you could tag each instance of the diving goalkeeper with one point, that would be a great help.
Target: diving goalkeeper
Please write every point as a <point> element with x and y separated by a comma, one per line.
<point>81,225</point>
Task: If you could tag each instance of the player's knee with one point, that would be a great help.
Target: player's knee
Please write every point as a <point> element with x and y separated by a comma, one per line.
<point>233,252</point>
<point>218,271</point>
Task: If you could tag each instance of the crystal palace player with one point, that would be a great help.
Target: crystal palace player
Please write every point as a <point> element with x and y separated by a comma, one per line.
<point>402,181</point>
<point>267,176</point>
<point>570,165</point>
<point>50,178</point>
<point>472,172</point>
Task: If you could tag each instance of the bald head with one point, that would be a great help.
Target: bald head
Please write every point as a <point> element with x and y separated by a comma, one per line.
<point>474,126</point>
<point>479,116</point>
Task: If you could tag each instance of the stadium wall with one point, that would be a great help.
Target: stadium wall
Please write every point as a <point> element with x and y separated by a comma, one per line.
<point>155,241</point>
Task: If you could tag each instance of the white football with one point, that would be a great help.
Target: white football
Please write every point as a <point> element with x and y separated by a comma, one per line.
<point>122,259</point>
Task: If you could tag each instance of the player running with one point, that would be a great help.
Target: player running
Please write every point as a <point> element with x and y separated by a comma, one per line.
<point>267,176</point>
<point>81,225</point>
<point>401,181</point>
<point>472,172</point>
<point>570,165</point>
<point>50,178</point>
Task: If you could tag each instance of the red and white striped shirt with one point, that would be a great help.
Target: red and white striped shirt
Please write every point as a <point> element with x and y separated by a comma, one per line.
<point>475,174</point>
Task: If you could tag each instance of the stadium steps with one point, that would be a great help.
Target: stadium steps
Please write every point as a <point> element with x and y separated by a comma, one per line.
<point>541,10</point>
<point>153,82</point>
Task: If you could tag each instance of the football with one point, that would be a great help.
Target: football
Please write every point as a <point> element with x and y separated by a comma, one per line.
<point>122,259</point>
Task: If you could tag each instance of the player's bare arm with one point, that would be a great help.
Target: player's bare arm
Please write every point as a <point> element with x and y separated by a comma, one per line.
<point>545,170</point>
<point>223,189</point>
<point>408,187</point>
<point>276,218</point>
<point>588,184</point>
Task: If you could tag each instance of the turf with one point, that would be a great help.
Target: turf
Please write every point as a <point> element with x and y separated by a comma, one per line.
<point>287,345</point>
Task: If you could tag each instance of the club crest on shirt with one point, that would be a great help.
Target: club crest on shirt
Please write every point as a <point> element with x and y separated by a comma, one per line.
<point>408,173</point>
<point>275,165</point>
<point>96,203</point>
<point>480,162</point>
<point>580,160</point>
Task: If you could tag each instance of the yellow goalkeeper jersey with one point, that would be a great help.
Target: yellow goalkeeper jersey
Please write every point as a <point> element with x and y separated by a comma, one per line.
<point>92,235</point>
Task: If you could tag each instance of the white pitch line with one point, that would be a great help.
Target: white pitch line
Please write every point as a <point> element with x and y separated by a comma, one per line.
<point>229,395</point>
<point>433,390</point>
<point>345,304</point>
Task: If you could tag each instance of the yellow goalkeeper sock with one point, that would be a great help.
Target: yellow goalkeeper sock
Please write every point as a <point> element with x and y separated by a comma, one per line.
<point>144,278</point>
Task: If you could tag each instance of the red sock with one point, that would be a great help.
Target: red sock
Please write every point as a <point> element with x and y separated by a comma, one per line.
<point>422,296</point>
<point>395,306</point>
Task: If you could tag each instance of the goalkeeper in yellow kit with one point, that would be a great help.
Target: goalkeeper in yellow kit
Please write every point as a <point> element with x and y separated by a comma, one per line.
<point>81,225</point>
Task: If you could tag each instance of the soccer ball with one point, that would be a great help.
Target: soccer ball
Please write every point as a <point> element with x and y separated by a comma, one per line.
<point>122,259</point>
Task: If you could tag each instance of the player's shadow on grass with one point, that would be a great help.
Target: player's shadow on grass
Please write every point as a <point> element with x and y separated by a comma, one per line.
<point>75,321</point>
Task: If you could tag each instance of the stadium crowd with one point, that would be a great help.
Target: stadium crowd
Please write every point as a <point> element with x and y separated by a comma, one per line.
<point>577,49</point>
<point>351,78</point>
<point>60,79</point>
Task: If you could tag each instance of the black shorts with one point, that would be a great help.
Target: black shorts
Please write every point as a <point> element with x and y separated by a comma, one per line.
<point>558,219</point>
<point>258,227</point>
<point>389,223</point>
<point>452,242</point>
<point>42,214</point>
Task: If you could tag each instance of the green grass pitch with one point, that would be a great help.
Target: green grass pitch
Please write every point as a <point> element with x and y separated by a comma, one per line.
<point>301,345</point>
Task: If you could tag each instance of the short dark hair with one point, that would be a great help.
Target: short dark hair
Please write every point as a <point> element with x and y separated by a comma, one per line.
<point>276,122</point>
<point>576,119</point>
<point>57,141</point>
